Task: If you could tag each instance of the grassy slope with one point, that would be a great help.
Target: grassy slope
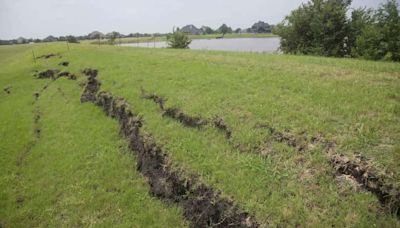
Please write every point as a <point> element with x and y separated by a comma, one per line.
<point>79,173</point>
<point>355,102</point>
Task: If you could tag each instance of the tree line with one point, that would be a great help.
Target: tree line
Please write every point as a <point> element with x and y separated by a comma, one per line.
<point>323,27</point>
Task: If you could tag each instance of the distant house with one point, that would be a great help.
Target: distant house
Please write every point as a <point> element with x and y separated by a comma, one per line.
<point>95,35</point>
<point>21,40</point>
<point>50,39</point>
<point>191,29</point>
<point>261,27</point>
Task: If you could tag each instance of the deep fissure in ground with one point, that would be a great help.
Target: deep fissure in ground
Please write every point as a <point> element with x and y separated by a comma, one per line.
<point>202,205</point>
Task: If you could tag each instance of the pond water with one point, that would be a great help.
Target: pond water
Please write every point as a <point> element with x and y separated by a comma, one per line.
<point>230,44</point>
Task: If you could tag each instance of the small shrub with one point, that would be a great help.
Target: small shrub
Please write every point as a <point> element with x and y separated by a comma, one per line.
<point>178,40</point>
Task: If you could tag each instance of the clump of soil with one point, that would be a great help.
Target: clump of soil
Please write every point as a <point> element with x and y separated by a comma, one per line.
<point>47,56</point>
<point>65,63</point>
<point>299,142</point>
<point>67,75</point>
<point>154,97</point>
<point>92,86</point>
<point>221,125</point>
<point>363,171</point>
<point>185,119</point>
<point>90,72</point>
<point>52,74</point>
<point>203,206</point>
<point>36,95</point>
<point>7,89</point>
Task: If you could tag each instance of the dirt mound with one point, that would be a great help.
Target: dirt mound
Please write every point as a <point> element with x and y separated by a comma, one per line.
<point>151,96</point>
<point>47,56</point>
<point>363,171</point>
<point>221,125</point>
<point>202,205</point>
<point>54,74</point>
<point>185,119</point>
<point>65,63</point>
<point>300,142</point>
<point>90,72</point>
<point>67,75</point>
<point>92,86</point>
<point>51,73</point>
<point>7,89</point>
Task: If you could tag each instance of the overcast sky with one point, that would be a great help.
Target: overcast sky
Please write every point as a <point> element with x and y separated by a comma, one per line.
<point>39,18</point>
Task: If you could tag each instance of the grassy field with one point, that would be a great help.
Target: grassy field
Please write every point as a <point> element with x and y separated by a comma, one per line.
<point>163,38</point>
<point>79,173</point>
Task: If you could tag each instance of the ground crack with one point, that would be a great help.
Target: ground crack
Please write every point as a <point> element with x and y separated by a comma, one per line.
<point>187,120</point>
<point>203,206</point>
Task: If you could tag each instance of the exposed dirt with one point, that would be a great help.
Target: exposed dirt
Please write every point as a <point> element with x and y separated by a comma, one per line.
<point>203,206</point>
<point>47,56</point>
<point>7,89</point>
<point>351,173</point>
<point>65,63</point>
<point>154,97</point>
<point>48,74</point>
<point>54,74</point>
<point>67,75</point>
<point>90,72</point>
<point>373,180</point>
<point>185,119</point>
<point>221,125</point>
<point>300,142</point>
<point>92,86</point>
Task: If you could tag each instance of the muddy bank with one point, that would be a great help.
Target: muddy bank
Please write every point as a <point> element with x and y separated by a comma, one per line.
<point>202,205</point>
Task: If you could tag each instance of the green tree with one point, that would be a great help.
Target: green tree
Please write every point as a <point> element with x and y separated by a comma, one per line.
<point>381,39</point>
<point>178,40</point>
<point>224,29</point>
<point>207,30</point>
<point>72,39</point>
<point>112,37</point>
<point>319,27</point>
<point>360,19</point>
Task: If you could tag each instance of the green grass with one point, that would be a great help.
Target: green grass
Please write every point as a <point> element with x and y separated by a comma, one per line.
<point>79,173</point>
<point>163,38</point>
<point>354,102</point>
